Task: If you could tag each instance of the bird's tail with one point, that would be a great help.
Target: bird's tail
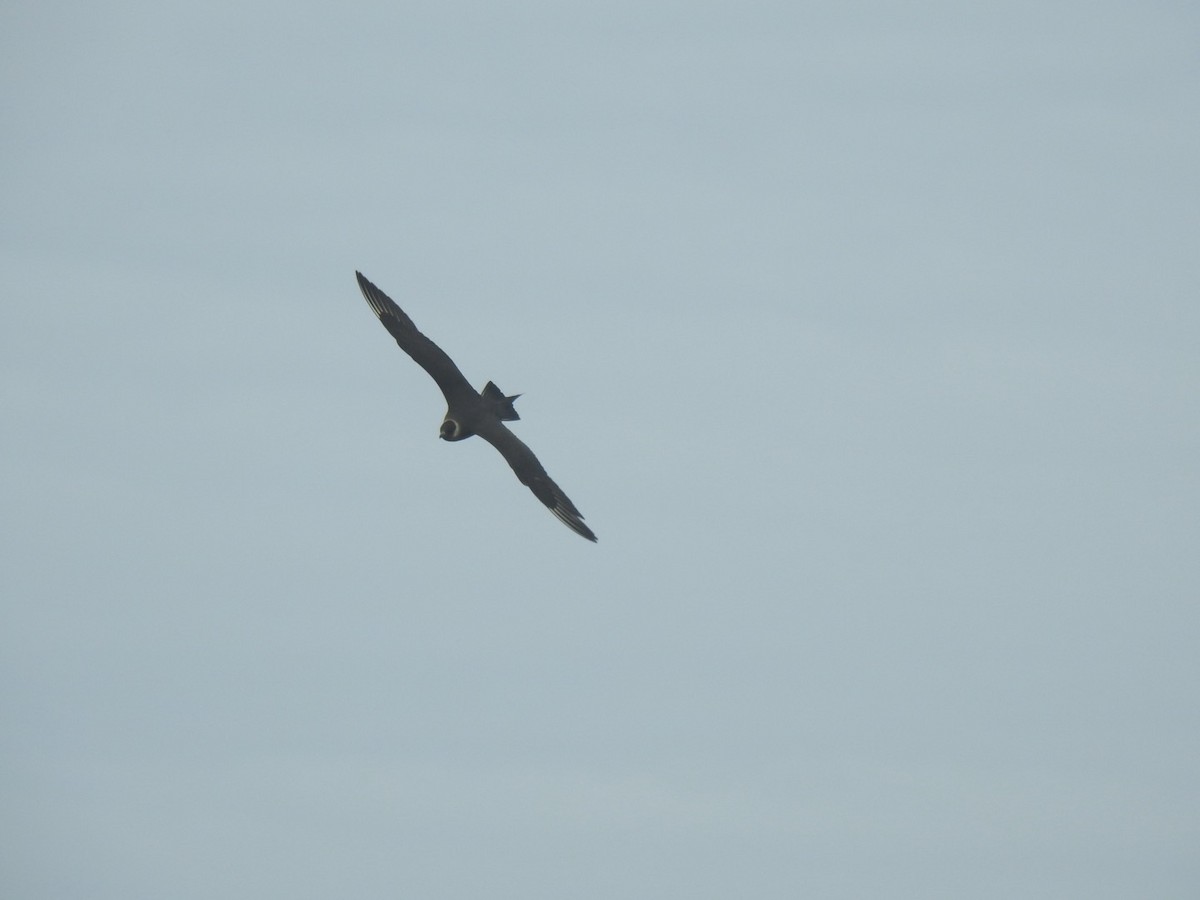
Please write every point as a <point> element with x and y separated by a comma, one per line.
<point>501,405</point>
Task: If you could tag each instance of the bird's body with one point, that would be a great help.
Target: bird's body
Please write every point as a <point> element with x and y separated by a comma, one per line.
<point>470,412</point>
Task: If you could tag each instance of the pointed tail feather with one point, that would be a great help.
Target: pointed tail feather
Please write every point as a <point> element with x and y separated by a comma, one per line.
<point>502,405</point>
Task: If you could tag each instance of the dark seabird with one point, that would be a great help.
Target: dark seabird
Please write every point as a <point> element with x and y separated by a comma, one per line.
<point>470,412</point>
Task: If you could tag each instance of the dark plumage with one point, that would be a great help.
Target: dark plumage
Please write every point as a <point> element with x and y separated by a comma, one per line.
<point>469,412</point>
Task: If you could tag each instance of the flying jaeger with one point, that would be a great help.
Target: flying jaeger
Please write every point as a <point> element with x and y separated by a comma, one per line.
<point>470,412</point>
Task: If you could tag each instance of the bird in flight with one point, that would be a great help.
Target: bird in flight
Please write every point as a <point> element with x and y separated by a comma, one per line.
<point>470,412</point>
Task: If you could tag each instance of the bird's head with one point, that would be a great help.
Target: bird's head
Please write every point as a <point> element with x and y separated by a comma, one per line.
<point>451,431</point>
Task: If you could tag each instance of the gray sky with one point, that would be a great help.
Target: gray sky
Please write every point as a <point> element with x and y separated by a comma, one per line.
<point>864,335</point>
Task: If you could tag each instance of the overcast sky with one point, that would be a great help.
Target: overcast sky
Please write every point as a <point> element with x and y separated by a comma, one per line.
<point>865,336</point>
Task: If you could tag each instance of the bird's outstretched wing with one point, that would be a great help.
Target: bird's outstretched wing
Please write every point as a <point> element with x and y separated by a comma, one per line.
<point>429,356</point>
<point>533,476</point>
